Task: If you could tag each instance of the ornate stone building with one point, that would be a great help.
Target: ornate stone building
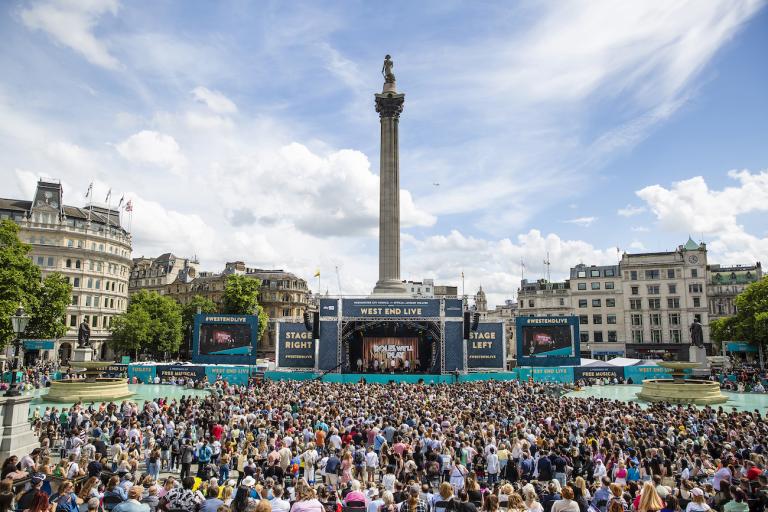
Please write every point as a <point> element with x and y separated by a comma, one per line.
<point>283,295</point>
<point>725,283</point>
<point>89,247</point>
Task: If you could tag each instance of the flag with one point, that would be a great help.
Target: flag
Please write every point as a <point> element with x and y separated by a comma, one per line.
<point>121,201</point>
<point>109,194</point>
<point>88,192</point>
<point>128,206</point>
<point>317,273</point>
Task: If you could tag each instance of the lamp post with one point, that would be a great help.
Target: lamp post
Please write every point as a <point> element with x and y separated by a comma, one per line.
<point>19,322</point>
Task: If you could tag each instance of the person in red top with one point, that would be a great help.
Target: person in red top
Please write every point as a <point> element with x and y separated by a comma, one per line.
<point>753,470</point>
<point>217,431</point>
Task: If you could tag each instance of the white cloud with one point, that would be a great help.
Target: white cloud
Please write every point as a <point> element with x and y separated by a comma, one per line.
<point>215,100</point>
<point>630,211</point>
<point>151,147</point>
<point>71,23</point>
<point>584,222</point>
<point>640,229</point>
<point>495,263</point>
<point>690,206</point>
<point>637,245</point>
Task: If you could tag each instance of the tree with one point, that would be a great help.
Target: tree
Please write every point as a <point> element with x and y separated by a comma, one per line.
<point>189,310</point>
<point>241,297</point>
<point>751,322</point>
<point>20,283</point>
<point>151,324</point>
<point>48,312</point>
<point>723,329</point>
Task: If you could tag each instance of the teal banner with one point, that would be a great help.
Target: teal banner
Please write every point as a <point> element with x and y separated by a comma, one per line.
<point>144,373</point>
<point>38,344</point>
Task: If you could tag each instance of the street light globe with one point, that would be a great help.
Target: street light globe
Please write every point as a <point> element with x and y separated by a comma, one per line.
<point>20,321</point>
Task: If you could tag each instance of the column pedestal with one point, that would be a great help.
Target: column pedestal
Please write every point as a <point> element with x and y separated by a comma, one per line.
<point>16,436</point>
<point>699,355</point>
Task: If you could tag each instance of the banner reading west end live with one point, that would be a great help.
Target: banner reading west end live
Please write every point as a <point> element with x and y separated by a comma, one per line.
<point>296,348</point>
<point>485,347</point>
<point>390,308</point>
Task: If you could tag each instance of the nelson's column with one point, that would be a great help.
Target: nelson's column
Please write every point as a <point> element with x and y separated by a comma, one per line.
<point>389,105</point>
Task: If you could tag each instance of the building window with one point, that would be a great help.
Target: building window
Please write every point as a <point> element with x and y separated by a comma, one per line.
<point>581,273</point>
<point>90,265</point>
<point>695,288</point>
<point>609,272</point>
<point>610,303</point>
<point>697,317</point>
<point>68,264</point>
<point>612,338</point>
<point>653,289</point>
<point>611,319</point>
<point>670,273</point>
<point>636,319</point>
<point>654,303</point>
<point>96,301</point>
<point>73,320</point>
<point>77,263</point>
<point>98,284</point>
<point>635,290</point>
<point>562,302</point>
<point>583,319</point>
<point>582,286</point>
<point>635,304</point>
<point>86,319</point>
<point>637,336</point>
<point>40,261</point>
<point>609,285</point>
<point>697,302</point>
<point>595,285</point>
<point>69,243</point>
<point>596,303</point>
<point>652,274</point>
<point>672,288</point>
<point>674,319</point>
<point>655,319</point>
<point>598,336</point>
<point>95,321</point>
<point>656,335</point>
<point>633,275</point>
<point>76,283</point>
<point>673,302</point>
<point>675,335</point>
<point>530,303</point>
<point>582,303</point>
<point>88,300</point>
<point>594,273</point>
<point>584,337</point>
<point>694,272</point>
<point>597,319</point>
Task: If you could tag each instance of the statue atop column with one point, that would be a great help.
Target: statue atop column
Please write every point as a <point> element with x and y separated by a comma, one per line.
<point>386,70</point>
<point>697,335</point>
<point>84,335</point>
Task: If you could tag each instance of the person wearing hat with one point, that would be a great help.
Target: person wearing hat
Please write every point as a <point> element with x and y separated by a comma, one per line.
<point>698,503</point>
<point>26,499</point>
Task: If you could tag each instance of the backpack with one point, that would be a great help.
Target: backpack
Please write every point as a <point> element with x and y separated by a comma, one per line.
<point>359,458</point>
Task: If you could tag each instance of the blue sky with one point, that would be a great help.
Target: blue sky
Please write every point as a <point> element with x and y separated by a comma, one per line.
<point>245,130</point>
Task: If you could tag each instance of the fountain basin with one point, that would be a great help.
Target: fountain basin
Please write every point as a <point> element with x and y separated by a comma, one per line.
<point>101,389</point>
<point>691,391</point>
<point>680,390</point>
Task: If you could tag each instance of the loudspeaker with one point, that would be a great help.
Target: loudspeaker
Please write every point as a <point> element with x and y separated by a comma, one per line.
<point>307,321</point>
<point>316,325</point>
<point>475,321</point>
<point>467,321</point>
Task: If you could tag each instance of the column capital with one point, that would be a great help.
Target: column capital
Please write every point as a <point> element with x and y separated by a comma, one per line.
<point>390,104</point>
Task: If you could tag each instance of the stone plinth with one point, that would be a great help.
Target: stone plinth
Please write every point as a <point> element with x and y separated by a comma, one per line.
<point>16,436</point>
<point>81,354</point>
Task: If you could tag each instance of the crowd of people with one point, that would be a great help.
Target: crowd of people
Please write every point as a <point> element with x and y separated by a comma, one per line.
<point>313,446</point>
